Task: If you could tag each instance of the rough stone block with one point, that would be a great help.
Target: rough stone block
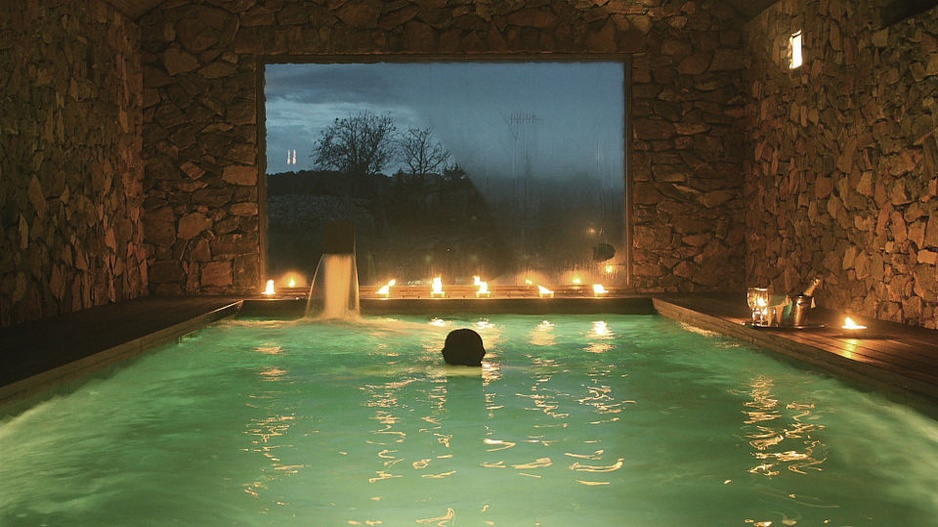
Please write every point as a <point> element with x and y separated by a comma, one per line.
<point>177,61</point>
<point>240,175</point>
<point>193,224</point>
<point>216,275</point>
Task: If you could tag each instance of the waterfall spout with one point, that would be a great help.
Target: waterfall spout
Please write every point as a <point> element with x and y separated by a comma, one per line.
<point>334,290</point>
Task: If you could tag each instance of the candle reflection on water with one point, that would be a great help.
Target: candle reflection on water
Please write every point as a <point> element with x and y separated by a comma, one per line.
<point>603,335</point>
<point>791,445</point>
<point>543,334</point>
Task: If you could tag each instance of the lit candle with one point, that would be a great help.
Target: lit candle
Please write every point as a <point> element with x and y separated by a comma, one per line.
<point>852,329</point>
<point>483,290</point>
<point>436,290</point>
<point>385,290</point>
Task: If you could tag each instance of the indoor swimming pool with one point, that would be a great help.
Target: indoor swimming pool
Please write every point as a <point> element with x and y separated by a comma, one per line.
<point>619,420</point>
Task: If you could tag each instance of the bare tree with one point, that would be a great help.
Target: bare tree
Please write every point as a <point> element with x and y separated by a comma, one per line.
<point>422,153</point>
<point>358,145</point>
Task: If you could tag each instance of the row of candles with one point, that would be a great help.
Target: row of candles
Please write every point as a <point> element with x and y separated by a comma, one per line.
<point>482,289</point>
<point>764,312</point>
<point>436,289</point>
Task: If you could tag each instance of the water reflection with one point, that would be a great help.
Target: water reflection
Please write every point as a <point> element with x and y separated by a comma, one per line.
<point>272,374</point>
<point>778,445</point>
<point>268,432</point>
<point>269,349</point>
<point>416,436</point>
<point>267,435</point>
<point>545,399</point>
<point>602,336</point>
<point>491,372</point>
<point>384,400</point>
<point>447,519</point>
<point>601,398</point>
<point>543,334</point>
<point>600,330</point>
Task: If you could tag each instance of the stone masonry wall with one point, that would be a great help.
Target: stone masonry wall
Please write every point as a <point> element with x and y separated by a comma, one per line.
<point>688,149</point>
<point>70,141</point>
<point>843,183</point>
<point>202,60</point>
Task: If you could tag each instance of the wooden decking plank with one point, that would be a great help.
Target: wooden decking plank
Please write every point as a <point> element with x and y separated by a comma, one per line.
<point>901,351</point>
<point>869,352</point>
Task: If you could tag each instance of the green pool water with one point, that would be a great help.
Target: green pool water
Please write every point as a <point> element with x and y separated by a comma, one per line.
<point>574,420</point>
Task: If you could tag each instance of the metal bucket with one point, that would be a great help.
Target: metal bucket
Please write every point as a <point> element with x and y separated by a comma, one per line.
<point>799,310</point>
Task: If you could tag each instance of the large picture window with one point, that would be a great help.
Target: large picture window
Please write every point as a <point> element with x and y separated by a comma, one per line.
<point>513,171</point>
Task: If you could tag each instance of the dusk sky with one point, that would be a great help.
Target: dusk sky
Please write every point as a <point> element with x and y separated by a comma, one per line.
<point>578,108</point>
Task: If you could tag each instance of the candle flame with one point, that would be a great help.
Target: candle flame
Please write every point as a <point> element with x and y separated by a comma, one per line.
<point>483,286</point>
<point>437,287</point>
<point>850,324</point>
<point>385,290</point>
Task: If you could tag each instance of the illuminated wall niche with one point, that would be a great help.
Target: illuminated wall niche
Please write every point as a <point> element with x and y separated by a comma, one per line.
<point>796,59</point>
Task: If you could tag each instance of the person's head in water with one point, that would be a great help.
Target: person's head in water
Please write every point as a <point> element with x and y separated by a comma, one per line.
<point>463,347</point>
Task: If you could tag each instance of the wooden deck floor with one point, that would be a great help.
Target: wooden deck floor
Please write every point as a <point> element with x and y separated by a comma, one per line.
<point>898,360</point>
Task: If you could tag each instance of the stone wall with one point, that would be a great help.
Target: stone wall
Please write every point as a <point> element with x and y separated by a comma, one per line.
<point>689,146</point>
<point>202,61</point>
<point>70,174</point>
<point>843,183</point>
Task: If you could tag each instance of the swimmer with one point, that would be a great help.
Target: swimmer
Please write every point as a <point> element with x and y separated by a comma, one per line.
<point>463,347</point>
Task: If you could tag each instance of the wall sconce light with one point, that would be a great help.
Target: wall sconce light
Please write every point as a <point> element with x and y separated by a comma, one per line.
<point>794,45</point>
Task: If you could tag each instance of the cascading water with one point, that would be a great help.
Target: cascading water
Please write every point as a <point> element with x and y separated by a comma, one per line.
<point>334,290</point>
